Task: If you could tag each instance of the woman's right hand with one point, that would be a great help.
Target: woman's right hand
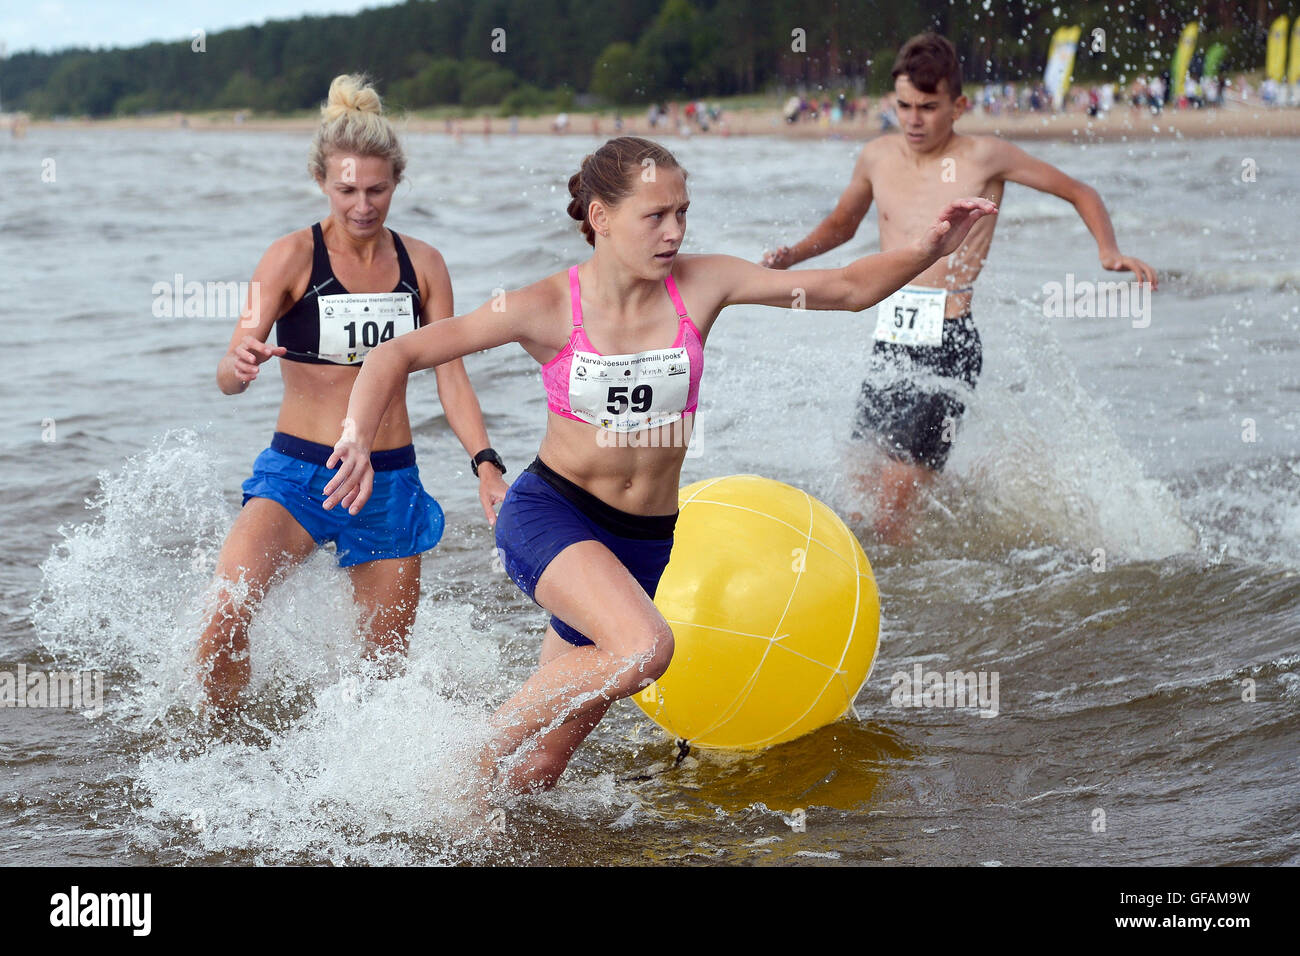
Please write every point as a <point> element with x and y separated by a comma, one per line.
<point>249,354</point>
<point>780,259</point>
<point>356,478</point>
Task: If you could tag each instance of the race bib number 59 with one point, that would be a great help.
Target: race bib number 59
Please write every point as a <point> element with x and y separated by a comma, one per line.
<point>628,393</point>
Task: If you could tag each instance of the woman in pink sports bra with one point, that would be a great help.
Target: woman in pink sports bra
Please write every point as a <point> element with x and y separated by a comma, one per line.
<point>587,529</point>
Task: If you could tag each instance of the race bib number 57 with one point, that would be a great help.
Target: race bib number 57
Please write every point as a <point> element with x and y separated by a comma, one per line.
<point>911,316</point>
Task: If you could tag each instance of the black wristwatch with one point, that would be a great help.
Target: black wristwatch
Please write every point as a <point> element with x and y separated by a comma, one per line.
<point>488,455</point>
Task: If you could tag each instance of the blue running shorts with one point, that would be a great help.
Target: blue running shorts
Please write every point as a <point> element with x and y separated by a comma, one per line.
<point>399,520</point>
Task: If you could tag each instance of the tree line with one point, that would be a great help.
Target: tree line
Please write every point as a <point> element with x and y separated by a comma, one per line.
<point>526,56</point>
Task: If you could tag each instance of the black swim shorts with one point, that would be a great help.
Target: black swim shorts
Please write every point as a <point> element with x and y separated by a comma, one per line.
<point>904,405</point>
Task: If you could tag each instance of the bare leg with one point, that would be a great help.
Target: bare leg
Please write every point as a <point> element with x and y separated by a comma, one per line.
<point>900,486</point>
<point>895,485</point>
<point>388,592</point>
<point>588,587</point>
<point>553,749</point>
<point>264,542</point>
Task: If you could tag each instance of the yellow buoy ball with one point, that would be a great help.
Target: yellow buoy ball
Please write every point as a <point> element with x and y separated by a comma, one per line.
<point>774,612</point>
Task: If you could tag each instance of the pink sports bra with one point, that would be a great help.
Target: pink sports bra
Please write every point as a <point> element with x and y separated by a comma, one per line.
<point>629,392</point>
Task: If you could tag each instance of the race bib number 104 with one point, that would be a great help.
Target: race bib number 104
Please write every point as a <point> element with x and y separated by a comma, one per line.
<point>351,325</point>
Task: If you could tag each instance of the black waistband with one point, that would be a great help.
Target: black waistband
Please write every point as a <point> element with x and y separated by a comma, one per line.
<point>622,523</point>
<point>390,459</point>
<point>956,329</point>
<point>961,326</point>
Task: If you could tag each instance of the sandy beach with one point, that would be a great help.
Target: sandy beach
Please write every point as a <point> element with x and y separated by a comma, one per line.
<point>1120,124</point>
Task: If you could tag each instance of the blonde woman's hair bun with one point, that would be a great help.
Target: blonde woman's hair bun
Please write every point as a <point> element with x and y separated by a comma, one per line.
<point>352,121</point>
<point>350,92</point>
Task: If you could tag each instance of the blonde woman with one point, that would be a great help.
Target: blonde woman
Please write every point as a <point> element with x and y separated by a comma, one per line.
<point>332,292</point>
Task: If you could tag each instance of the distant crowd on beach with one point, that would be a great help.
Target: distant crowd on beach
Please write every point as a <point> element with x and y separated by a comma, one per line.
<point>1142,93</point>
<point>997,99</point>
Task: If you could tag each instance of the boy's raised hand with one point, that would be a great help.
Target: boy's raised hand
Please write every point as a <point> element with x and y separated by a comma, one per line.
<point>1123,263</point>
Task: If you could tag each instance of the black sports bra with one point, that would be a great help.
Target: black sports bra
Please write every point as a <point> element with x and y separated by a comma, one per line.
<point>331,326</point>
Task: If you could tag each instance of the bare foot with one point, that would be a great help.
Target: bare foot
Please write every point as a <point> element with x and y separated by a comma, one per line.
<point>217,714</point>
<point>494,824</point>
<point>486,821</point>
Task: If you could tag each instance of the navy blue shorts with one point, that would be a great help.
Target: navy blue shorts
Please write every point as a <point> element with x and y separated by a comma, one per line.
<point>544,513</point>
<point>399,520</point>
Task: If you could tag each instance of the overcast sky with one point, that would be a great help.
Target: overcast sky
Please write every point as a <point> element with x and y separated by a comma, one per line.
<point>47,25</point>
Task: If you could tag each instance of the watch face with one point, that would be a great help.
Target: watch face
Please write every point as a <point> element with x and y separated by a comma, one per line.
<point>490,456</point>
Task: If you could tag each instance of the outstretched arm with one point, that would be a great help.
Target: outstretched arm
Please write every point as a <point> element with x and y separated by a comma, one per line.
<point>860,284</point>
<point>385,371</point>
<point>459,403</point>
<point>1017,166</point>
<point>268,298</point>
<point>836,229</point>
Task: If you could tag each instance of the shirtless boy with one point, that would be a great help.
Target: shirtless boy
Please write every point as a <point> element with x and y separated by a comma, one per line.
<point>926,328</point>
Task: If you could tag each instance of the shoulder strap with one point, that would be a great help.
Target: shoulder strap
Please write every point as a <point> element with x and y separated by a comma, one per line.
<point>678,304</point>
<point>321,273</point>
<point>406,269</point>
<point>575,297</point>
